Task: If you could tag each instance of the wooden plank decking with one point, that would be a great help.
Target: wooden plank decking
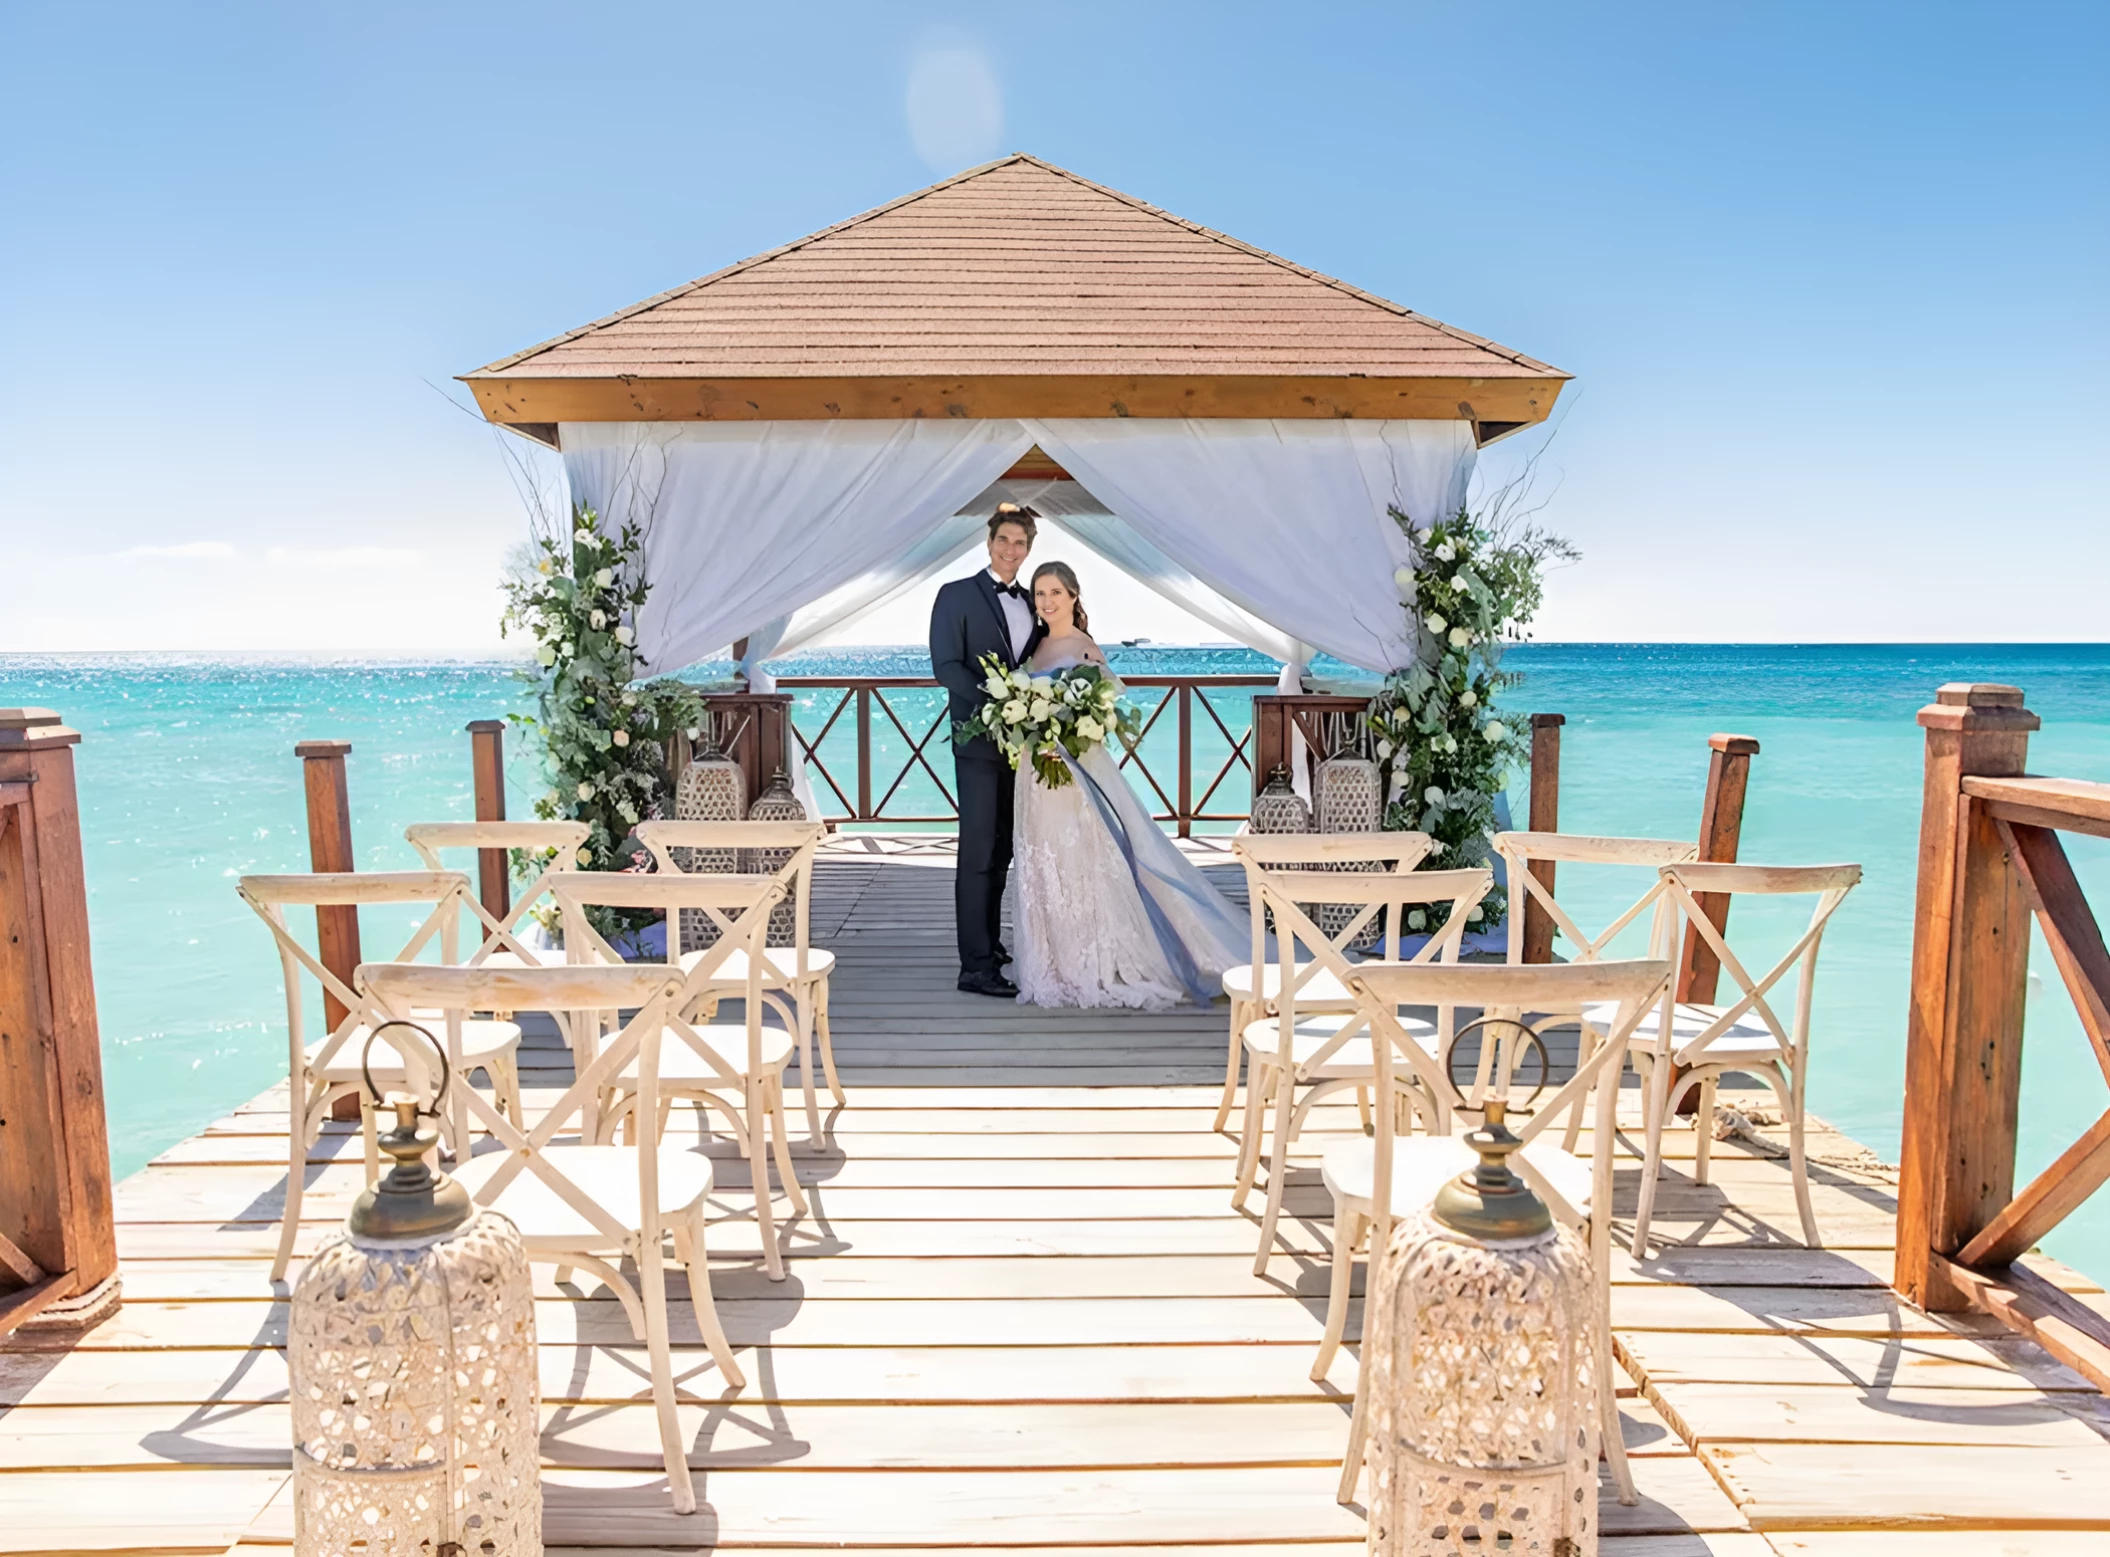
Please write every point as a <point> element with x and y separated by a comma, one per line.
<point>1022,1315</point>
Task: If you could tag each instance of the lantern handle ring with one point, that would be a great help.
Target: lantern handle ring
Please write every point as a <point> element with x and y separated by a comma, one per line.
<point>366,1073</point>
<point>1532,1040</point>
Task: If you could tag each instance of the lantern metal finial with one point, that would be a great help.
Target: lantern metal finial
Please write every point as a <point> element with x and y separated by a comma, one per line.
<point>1490,1201</point>
<point>411,1201</point>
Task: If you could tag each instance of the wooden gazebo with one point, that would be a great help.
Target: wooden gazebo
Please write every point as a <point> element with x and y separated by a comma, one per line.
<point>1014,290</point>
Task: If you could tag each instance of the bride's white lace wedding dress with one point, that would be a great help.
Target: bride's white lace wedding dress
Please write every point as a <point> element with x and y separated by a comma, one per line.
<point>1108,911</point>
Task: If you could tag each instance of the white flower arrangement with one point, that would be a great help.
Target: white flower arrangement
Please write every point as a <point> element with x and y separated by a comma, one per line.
<point>602,731</point>
<point>1047,719</point>
<point>1444,754</point>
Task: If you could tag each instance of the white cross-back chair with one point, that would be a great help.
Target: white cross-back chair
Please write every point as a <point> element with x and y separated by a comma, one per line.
<point>1641,855</point>
<point>1702,1042</point>
<point>502,944</point>
<point>803,967</point>
<point>1376,1180</point>
<point>1254,986</point>
<point>322,1072</point>
<point>1329,1051</point>
<point>736,1068</point>
<point>576,1202</point>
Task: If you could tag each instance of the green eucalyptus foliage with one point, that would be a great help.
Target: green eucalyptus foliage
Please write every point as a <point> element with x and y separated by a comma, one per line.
<point>602,731</point>
<point>1443,749</point>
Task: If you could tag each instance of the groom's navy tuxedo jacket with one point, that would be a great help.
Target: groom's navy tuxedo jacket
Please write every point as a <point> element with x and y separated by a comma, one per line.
<point>966,623</point>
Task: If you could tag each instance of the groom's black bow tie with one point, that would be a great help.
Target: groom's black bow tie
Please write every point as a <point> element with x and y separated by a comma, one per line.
<point>1015,591</point>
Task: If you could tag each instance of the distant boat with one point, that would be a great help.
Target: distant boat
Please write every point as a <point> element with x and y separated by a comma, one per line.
<point>1133,643</point>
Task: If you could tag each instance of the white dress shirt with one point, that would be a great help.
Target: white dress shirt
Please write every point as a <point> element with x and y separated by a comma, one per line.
<point>1018,616</point>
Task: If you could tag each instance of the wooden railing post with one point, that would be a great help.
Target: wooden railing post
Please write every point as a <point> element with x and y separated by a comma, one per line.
<point>1970,973</point>
<point>330,849</point>
<point>864,754</point>
<point>487,761</point>
<point>1544,817</point>
<point>1721,830</point>
<point>58,1248</point>
<point>1186,789</point>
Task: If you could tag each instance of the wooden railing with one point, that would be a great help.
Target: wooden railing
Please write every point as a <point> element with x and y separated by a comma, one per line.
<point>1990,861</point>
<point>1209,780</point>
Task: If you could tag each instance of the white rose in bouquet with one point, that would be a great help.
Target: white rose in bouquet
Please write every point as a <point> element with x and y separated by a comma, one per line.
<point>1435,624</point>
<point>1041,709</point>
<point>1433,795</point>
<point>625,636</point>
<point>1497,731</point>
<point>1468,698</point>
<point>1446,552</point>
<point>1091,729</point>
<point>1041,684</point>
<point>1015,711</point>
<point>1460,637</point>
<point>597,620</point>
<point>604,578</point>
<point>996,686</point>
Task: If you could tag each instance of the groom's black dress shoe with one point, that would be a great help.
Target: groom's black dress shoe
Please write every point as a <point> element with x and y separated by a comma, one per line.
<point>988,984</point>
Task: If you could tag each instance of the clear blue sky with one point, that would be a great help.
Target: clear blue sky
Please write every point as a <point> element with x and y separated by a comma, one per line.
<point>1831,277</point>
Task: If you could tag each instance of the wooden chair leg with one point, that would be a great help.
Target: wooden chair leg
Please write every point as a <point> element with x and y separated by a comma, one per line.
<point>820,1027</point>
<point>689,1249</point>
<point>1259,1084</point>
<point>804,1008</point>
<point>1358,1426</point>
<point>1238,1026</point>
<point>780,1141</point>
<point>1362,1108</point>
<point>1612,1434</point>
<point>758,1175</point>
<point>1703,1132</point>
<point>297,1173</point>
<point>653,1282</point>
<point>1799,1167</point>
<point>1347,1233</point>
<point>1657,1104</point>
<point>1277,1170</point>
<point>1585,1046</point>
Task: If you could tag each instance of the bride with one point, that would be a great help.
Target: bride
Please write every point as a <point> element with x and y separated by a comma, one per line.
<point>1108,911</point>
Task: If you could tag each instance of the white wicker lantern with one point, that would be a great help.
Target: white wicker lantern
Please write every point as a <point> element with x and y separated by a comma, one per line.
<point>1347,797</point>
<point>1279,808</point>
<point>712,789</point>
<point>412,1360</point>
<point>776,803</point>
<point>1482,1409</point>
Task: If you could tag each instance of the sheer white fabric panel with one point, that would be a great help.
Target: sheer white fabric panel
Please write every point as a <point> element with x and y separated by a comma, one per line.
<point>1286,519</point>
<point>867,592</point>
<point>747,522</point>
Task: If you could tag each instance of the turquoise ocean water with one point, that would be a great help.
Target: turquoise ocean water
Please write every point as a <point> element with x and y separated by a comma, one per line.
<point>188,780</point>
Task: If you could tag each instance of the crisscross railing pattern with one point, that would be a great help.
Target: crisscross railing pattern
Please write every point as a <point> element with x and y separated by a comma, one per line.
<point>898,767</point>
<point>1991,863</point>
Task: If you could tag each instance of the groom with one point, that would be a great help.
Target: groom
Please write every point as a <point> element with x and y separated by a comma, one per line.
<point>990,613</point>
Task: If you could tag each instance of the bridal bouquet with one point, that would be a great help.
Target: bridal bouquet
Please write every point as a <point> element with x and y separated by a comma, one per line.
<point>1047,717</point>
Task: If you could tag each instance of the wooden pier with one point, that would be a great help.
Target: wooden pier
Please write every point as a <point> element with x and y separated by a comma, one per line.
<point>1022,1315</point>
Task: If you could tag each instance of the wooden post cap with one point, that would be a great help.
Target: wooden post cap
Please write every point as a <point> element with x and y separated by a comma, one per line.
<point>487,726</point>
<point>1739,745</point>
<point>1544,721</point>
<point>34,727</point>
<point>1978,705</point>
<point>314,749</point>
<point>1979,694</point>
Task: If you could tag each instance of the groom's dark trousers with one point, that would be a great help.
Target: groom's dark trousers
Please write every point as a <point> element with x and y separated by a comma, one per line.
<point>966,623</point>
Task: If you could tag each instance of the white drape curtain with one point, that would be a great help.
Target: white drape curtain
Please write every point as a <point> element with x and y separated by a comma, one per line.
<point>1285,519</point>
<point>747,523</point>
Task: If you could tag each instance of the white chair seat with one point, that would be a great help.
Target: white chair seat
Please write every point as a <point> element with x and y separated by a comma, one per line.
<point>1321,989</point>
<point>783,961</point>
<point>679,1063</point>
<point>608,1176</point>
<point>1263,1042</point>
<point>481,1040</point>
<point>1423,1164</point>
<point>1747,1038</point>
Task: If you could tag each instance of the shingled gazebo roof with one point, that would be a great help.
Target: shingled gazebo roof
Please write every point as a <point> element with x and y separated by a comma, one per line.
<point>1015,289</point>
